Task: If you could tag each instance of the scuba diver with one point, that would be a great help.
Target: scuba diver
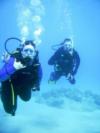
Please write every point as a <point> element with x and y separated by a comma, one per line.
<point>66,62</point>
<point>20,74</point>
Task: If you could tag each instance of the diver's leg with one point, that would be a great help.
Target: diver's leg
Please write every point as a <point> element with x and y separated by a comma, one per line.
<point>25,93</point>
<point>8,99</point>
<point>54,76</point>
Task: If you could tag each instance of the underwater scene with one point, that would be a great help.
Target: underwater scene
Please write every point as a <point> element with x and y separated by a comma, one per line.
<point>49,66</point>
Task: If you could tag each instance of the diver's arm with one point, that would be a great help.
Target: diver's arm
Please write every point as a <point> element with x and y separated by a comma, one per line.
<point>76,64</point>
<point>38,76</point>
<point>53,60</point>
<point>9,68</point>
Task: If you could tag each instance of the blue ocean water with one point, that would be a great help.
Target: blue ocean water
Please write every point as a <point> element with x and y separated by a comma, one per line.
<point>59,107</point>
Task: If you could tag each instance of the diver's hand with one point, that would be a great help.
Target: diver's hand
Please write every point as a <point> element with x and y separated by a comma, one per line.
<point>57,67</point>
<point>5,57</point>
<point>18,65</point>
<point>70,76</point>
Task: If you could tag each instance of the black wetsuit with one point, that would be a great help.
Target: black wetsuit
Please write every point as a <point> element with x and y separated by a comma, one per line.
<point>20,84</point>
<point>64,63</point>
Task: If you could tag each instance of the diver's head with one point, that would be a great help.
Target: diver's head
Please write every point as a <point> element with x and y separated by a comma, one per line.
<point>68,44</point>
<point>28,50</point>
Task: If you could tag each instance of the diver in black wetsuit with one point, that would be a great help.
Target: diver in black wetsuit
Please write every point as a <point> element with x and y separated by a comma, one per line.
<point>66,62</point>
<point>20,74</point>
